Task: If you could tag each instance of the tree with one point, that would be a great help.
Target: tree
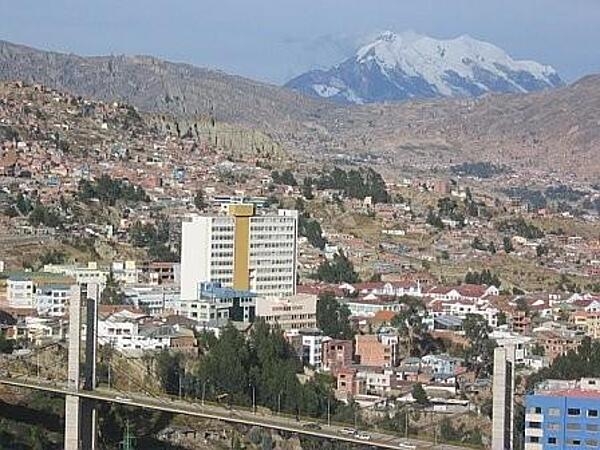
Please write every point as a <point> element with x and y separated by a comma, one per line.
<point>420,395</point>
<point>169,369</point>
<point>541,250</point>
<point>200,201</point>
<point>538,350</point>
<point>307,192</point>
<point>507,244</point>
<point>311,230</point>
<point>6,346</point>
<point>409,322</point>
<point>332,317</point>
<point>340,270</point>
<point>478,244</point>
<point>480,354</point>
<point>112,294</point>
<point>501,317</point>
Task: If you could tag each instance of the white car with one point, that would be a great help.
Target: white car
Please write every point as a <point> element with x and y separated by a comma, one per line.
<point>348,431</point>
<point>362,436</point>
<point>122,399</point>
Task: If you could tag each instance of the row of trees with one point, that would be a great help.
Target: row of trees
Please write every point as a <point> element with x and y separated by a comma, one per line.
<point>354,183</point>
<point>521,228</point>
<point>109,191</point>
<point>263,367</point>
<point>155,238</point>
<point>483,277</point>
<point>339,270</point>
<point>584,362</point>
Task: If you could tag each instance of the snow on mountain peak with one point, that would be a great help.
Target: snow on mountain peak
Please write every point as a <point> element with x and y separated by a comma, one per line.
<point>411,65</point>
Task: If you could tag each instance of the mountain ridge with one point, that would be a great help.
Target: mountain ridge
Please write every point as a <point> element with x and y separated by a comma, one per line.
<point>557,128</point>
<point>397,67</point>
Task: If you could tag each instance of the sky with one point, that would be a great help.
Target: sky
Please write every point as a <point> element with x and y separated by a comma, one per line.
<point>275,40</point>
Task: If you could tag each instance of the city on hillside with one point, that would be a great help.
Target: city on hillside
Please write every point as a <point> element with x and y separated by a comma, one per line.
<point>396,246</point>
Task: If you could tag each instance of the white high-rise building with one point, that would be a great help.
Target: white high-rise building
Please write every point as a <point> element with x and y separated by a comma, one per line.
<point>242,251</point>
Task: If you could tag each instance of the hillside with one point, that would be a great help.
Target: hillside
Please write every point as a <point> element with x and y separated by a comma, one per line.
<point>154,85</point>
<point>554,130</point>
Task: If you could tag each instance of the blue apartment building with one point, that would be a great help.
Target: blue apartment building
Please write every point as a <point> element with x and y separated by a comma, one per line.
<point>563,414</point>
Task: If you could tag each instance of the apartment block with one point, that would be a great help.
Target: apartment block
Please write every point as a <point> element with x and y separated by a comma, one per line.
<point>240,250</point>
<point>20,292</point>
<point>377,350</point>
<point>563,414</point>
<point>294,312</point>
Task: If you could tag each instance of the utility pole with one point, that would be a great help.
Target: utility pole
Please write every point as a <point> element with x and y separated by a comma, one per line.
<point>328,411</point>
<point>203,391</point>
<point>253,399</point>
<point>109,375</point>
<point>406,424</point>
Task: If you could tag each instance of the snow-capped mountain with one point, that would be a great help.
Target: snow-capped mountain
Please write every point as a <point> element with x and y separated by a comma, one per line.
<point>404,66</point>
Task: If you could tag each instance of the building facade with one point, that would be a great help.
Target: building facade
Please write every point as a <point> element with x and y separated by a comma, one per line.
<point>563,414</point>
<point>295,312</point>
<point>20,292</point>
<point>242,250</point>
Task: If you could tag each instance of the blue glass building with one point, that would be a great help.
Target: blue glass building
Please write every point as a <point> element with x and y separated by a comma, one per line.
<point>563,415</point>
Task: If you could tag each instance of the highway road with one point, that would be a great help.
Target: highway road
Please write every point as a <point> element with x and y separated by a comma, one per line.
<point>241,416</point>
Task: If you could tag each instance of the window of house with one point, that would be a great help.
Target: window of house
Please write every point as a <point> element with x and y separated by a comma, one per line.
<point>554,412</point>
<point>573,412</point>
<point>553,426</point>
<point>573,426</point>
<point>574,442</point>
<point>592,413</point>
<point>552,441</point>
<point>591,427</point>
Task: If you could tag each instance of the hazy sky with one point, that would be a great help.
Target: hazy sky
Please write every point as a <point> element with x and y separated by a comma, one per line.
<point>273,40</point>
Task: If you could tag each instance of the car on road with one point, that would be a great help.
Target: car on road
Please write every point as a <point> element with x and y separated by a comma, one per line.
<point>311,426</point>
<point>362,436</point>
<point>348,431</point>
<point>407,446</point>
<point>122,399</point>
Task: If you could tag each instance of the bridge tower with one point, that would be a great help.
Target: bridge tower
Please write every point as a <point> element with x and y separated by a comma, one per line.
<point>80,414</point>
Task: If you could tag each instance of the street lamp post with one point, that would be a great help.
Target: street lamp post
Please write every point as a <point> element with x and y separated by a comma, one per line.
<point>279,403</point>
<point>253,397</point>
<point>328,411</point>
<point>180,385</point>
<point>203,391</point>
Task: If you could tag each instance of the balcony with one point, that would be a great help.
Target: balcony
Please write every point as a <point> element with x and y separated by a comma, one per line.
<point>533,446</point>
<point>533,417</point>
<point>536,432</point>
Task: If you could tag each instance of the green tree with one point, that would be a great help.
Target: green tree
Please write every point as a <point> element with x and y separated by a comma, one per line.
<point>307,191</point>
<point>200,201</point>
<point>507,244</point>
<point>6,346</point>
<point>480,353</point>
<point>339,270</point>
<point>311,230</point>
<point>420,395</point>
<point>333,317</point>
<point>112,294</point>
